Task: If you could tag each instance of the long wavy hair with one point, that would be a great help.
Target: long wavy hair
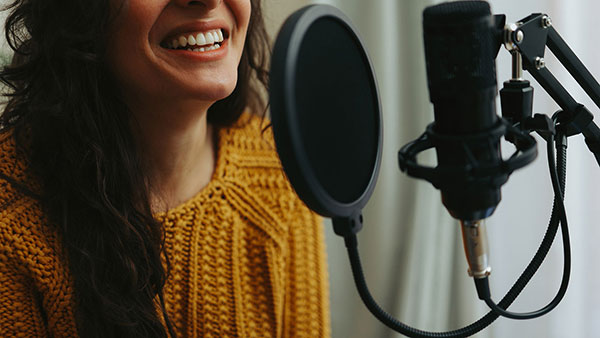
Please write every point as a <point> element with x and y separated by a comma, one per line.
<point>75,130</point>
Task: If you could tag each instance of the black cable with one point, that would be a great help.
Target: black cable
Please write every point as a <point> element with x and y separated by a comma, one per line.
<point>558,184</point>
<point>352,247</point>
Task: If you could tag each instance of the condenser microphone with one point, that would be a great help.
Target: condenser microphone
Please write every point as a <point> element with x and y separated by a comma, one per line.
<point>461,74</point>
<point>461,41</point>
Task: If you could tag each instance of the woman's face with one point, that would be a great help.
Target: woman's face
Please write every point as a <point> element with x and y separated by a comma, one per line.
<point>177,49</point>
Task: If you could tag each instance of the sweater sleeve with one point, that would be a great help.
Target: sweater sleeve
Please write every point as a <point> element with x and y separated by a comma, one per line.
<point>20,314</point>
<point>307,289</point>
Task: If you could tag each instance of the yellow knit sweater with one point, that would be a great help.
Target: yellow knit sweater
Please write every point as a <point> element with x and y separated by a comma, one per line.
<point>247,257</point>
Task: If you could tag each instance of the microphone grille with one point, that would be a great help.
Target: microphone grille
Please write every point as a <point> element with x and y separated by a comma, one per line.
<point>450,12</point>
<point>459,48</point>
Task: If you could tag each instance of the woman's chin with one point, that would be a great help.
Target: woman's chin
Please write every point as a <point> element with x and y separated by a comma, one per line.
<point>214,92</point>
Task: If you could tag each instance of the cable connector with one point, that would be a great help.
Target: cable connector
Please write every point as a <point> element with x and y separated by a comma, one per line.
<point>476,248</point>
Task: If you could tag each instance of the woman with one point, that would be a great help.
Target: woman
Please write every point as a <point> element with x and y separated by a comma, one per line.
<point>138,198</point>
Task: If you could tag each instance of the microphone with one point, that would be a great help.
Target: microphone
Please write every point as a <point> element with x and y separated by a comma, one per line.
<point>461,72</point>
<point>461,40</point>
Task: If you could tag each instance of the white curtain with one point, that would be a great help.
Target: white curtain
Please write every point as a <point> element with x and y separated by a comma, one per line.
<point>410,246</point>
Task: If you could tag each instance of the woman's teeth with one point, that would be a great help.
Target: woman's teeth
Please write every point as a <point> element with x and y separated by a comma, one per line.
<point>197,42</point>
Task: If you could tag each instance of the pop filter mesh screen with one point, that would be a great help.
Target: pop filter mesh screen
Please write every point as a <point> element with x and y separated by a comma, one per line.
<point>338,111</point>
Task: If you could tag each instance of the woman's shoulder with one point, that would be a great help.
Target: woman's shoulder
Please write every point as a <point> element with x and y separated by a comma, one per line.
<point>15,180</point>
<point>20,210</point>
<point>13,162</point>
<point>32,260</point>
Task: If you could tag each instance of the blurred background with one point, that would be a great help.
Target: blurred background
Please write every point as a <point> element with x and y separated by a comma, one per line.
<point>410,247</point>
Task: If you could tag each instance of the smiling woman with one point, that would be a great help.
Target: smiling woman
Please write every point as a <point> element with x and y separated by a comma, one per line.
<point>140,193</point>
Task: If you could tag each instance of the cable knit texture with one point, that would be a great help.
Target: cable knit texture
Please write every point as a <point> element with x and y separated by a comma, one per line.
<point>247,257</point>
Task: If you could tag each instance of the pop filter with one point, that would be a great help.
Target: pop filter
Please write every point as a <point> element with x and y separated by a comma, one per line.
<point>325,111</point>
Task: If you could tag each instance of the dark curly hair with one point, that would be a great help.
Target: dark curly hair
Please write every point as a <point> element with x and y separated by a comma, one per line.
<point>69,120</point>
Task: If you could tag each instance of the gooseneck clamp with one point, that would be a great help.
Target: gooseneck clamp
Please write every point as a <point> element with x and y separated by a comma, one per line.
<point>527,40</point>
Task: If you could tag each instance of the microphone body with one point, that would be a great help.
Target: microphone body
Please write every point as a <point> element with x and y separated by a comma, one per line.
<point>460,52</point>
<point>462,39</point>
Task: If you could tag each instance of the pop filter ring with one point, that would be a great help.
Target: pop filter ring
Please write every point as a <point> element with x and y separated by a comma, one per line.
<point>456,177</point>
<point>288,138</point>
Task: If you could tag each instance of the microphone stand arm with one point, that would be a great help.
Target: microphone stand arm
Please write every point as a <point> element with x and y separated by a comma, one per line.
<point>530,37</point>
